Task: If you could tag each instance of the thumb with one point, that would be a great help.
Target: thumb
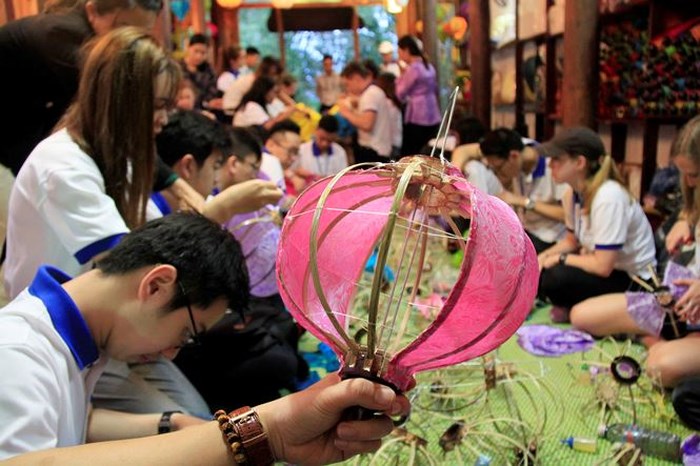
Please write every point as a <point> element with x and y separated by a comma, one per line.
<point>684,281</point>
<point>355,392</point>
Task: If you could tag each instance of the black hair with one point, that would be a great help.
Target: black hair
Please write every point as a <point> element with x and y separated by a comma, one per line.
<point>354,68</point>
<point>209,261</point>
<point>500,142</point>
<point>252,51</point>
<point>371,67</point>
<point>387,83</point>
<point>326,56</point>
<point>284,126</point>
<point>199,39</point>
<point>190,132</point>
<point>257,92</point>
<point>410,43</point>
<point>244,142</point>
<point>328,123</point>
<point>267,64</point>
<point>470,130</point>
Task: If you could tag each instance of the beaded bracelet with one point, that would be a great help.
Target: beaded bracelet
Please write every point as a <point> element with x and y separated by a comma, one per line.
<point>244,434</point>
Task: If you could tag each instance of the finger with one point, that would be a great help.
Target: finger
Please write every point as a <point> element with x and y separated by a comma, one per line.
<point>362,431</point>
<point>356,392</point>
<point>684,281</point>
<point>354,448</point>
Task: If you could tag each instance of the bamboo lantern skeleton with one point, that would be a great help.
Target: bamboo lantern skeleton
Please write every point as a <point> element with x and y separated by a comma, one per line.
<point>337,223</point>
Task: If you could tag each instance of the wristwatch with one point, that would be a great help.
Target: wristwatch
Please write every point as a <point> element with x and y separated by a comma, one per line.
<point>562,258</point>
<point>164,425</point>
<point>529,204</point>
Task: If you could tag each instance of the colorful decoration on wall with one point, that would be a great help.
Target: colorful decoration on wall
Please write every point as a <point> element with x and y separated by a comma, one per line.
<point>180,8</point>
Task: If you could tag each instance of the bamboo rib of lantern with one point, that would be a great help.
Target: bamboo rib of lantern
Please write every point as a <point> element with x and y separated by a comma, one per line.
<point>381,258</point>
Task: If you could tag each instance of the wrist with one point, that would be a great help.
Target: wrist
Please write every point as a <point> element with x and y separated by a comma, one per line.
<point>562,258</point>
<point>529,204</point>
<point>166,422</point>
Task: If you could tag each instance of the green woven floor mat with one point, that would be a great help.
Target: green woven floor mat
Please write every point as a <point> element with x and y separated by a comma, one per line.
<point>535,402</point>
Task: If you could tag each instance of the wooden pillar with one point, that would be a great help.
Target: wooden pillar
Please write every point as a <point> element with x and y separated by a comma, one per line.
<point>197,14</point>
<point>227,22</point>
<point>430,41</point>
<point>280,34</point>
<point>164,26</point>
<point>580,63</point>
<point>355,34</point>
<point>480,51</point>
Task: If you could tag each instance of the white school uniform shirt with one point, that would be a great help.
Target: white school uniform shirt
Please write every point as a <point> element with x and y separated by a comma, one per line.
<point>49,365</point>
<point>322,163</point>
<point>272,168</point>
<point>251,115</point>
<point>540,186</point>
<point>59,213</point>
<point>373,99</point>
<point>233,95</point>
<point>615,222</point>
<point>482,178</point>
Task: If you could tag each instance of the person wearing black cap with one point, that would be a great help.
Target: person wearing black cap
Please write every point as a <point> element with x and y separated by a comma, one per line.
<point>608,236</point>
<point>530,187</point>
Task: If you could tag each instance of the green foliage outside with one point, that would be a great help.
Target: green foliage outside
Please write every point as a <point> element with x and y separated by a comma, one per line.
<point>305,49</point>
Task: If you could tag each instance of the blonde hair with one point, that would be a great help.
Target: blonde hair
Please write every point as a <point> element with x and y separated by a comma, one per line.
<point>687,144</point>
<point>600,171</point>
<point>112,117</point>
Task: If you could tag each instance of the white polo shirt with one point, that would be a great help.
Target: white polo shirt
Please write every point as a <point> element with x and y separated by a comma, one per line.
<point>615,222</point>
<point>272,168</point>
<point>540,186</point>
<point>59,213</point>
<point>250,115</point>
<point>49,364</point>
<point>482,178</point>
<point>322,163</point>
<point>373,99</point>
<point>235,91</point>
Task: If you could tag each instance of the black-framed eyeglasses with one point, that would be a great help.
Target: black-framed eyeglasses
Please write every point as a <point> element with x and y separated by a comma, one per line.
<point>195,337</point>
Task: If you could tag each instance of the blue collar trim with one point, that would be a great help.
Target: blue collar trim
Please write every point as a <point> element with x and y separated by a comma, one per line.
<point>161,203</point>
<point>65,316</point>
<point>317,152</point>
<point>541,168</point>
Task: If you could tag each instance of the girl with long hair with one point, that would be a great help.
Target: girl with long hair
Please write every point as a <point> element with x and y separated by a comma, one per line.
<point>252,111</point>
<point>608,236</point>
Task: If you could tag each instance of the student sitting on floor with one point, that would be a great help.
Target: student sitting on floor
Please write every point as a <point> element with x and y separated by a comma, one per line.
<point>533,193</point>
<point>675,361</point>
<point>260,346</point>
<point>608,236</point>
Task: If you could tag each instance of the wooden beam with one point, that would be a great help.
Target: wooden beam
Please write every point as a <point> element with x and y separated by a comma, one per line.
<point>579,89</point>
<point>197,14</point>
<point>280,35</point>
<point>355,34</point>
<point>430,44</point>
<point>480,51</point>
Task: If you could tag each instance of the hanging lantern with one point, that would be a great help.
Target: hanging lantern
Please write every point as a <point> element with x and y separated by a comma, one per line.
<point>393,7</point>
<point>282,4</point>
<point>229,3</point>
<point>459,26</point>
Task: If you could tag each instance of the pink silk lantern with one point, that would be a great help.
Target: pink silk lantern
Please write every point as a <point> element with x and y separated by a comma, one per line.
<point>336,224</point>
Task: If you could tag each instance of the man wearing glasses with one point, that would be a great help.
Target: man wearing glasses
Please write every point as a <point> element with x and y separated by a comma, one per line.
<point>157,290</point>
<point>529,187</point>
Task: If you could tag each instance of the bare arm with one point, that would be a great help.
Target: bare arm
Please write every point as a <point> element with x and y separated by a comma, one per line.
<point>360,120</point>
<point>303,427</point>
<point>105,424</point>
<point>554,211</point>
<point>600,262</point>
<point>241,198</point>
